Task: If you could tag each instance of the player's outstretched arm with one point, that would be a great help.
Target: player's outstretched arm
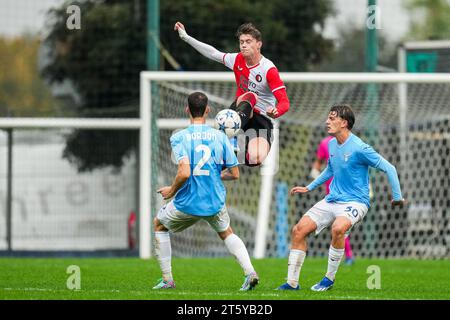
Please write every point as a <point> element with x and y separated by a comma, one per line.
<point>183,174</point>
<point>205,49</point>
<point>298,189</point>
<point>391,172</point>
<point>372,158</point>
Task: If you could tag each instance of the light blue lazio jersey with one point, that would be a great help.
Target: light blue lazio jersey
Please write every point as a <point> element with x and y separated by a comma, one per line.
<point>208,151</point>
<point>349,164</point>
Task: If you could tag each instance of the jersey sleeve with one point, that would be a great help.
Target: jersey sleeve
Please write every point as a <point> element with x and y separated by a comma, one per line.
<point>229,158</point>
<point>206,50</point>
<point>229,59</point>
<point>372,158</point>
<point>274,81</point>
<point>180,152</point>
<point>278,89</point>
<point>369,156</point>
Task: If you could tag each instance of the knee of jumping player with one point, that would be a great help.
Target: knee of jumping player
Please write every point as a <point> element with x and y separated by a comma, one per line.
<point>249,97</point>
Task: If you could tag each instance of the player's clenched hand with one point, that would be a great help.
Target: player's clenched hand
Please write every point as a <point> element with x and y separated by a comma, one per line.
<point>181,31</point>
<point>399,203</point>
<point>272,112</point>
<point>166,192</point>
<point>298,190</point>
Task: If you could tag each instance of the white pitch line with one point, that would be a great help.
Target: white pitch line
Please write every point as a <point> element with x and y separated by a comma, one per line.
<point>185,293</point>
<point>137,292</point>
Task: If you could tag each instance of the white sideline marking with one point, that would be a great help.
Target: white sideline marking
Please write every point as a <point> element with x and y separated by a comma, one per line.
<point>184,293</point>
<point>138,292</point>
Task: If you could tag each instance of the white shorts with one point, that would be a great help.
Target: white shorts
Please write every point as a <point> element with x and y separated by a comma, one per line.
<point>324,213</point>
<point>177,221</point>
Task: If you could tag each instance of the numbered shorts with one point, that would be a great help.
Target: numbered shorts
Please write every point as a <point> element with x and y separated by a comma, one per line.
<point>177,221</point>
<point>324,213</point>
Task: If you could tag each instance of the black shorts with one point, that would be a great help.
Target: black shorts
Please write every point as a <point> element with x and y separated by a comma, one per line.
<point>258,126</point>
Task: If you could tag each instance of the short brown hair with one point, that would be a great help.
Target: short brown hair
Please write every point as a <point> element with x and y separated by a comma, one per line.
<point>345,112</point>
<point>249,28</point>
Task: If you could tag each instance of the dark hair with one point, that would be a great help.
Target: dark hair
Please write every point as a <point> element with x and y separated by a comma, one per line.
<point>249,28</point>
<point>197,103</point>
<point>345,112</point>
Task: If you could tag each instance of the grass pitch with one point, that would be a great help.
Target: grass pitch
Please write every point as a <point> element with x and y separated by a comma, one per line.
<point>218,279</point>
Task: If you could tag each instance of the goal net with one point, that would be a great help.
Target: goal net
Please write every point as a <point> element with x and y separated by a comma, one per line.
<point>404,117</point>
<point>47,205</point>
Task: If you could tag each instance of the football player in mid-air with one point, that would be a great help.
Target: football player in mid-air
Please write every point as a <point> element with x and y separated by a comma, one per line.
<point>201,152</point>
<point>260,95</point>
<point>348,200</point>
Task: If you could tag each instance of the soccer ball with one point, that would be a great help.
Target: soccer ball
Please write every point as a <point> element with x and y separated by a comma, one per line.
<point>228,121</point>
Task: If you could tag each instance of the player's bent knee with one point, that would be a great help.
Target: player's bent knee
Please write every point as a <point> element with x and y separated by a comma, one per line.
<point>339,230</point>
<point>299,232</point>
<point>251,97</point>
<point>158,226</point>
<point>224,234</point>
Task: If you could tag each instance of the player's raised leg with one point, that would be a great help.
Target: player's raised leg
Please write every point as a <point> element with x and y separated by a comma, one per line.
<point>237,248</point>
<point>340,226</point>
<point>297,253</point>
<point>257,151</point>
<point>244,107</point>
<point>163,252</point>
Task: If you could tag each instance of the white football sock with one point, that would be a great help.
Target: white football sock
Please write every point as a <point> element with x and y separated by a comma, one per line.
<point>163,252</point>
<point>237,248</point>
<point>295,262</point>
<point>334,259</point>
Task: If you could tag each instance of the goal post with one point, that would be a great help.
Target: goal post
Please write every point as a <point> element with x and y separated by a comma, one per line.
<point>252,201</point>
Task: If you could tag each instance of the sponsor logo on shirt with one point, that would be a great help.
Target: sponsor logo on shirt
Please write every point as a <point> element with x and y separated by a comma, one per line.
<point>258,78</point>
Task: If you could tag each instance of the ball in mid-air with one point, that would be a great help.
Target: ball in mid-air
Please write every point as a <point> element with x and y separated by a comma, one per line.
<point>228,121</point>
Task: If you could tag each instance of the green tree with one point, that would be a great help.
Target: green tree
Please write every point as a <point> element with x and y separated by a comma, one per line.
<point>291,30</point>
<point>436,22</point>
<point>103,61</point>
<point>22,92</point>
<point>348,55</point>
<point>104,58</point>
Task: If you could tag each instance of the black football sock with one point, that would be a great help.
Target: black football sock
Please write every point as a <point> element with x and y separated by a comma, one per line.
<point>244,110</point>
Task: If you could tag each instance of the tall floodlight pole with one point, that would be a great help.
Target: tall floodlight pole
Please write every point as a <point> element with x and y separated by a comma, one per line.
<point>148,134</point>
<point>372,103</point>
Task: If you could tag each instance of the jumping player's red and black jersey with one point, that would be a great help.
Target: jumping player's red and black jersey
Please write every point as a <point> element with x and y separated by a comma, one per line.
<point>262,79</point>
